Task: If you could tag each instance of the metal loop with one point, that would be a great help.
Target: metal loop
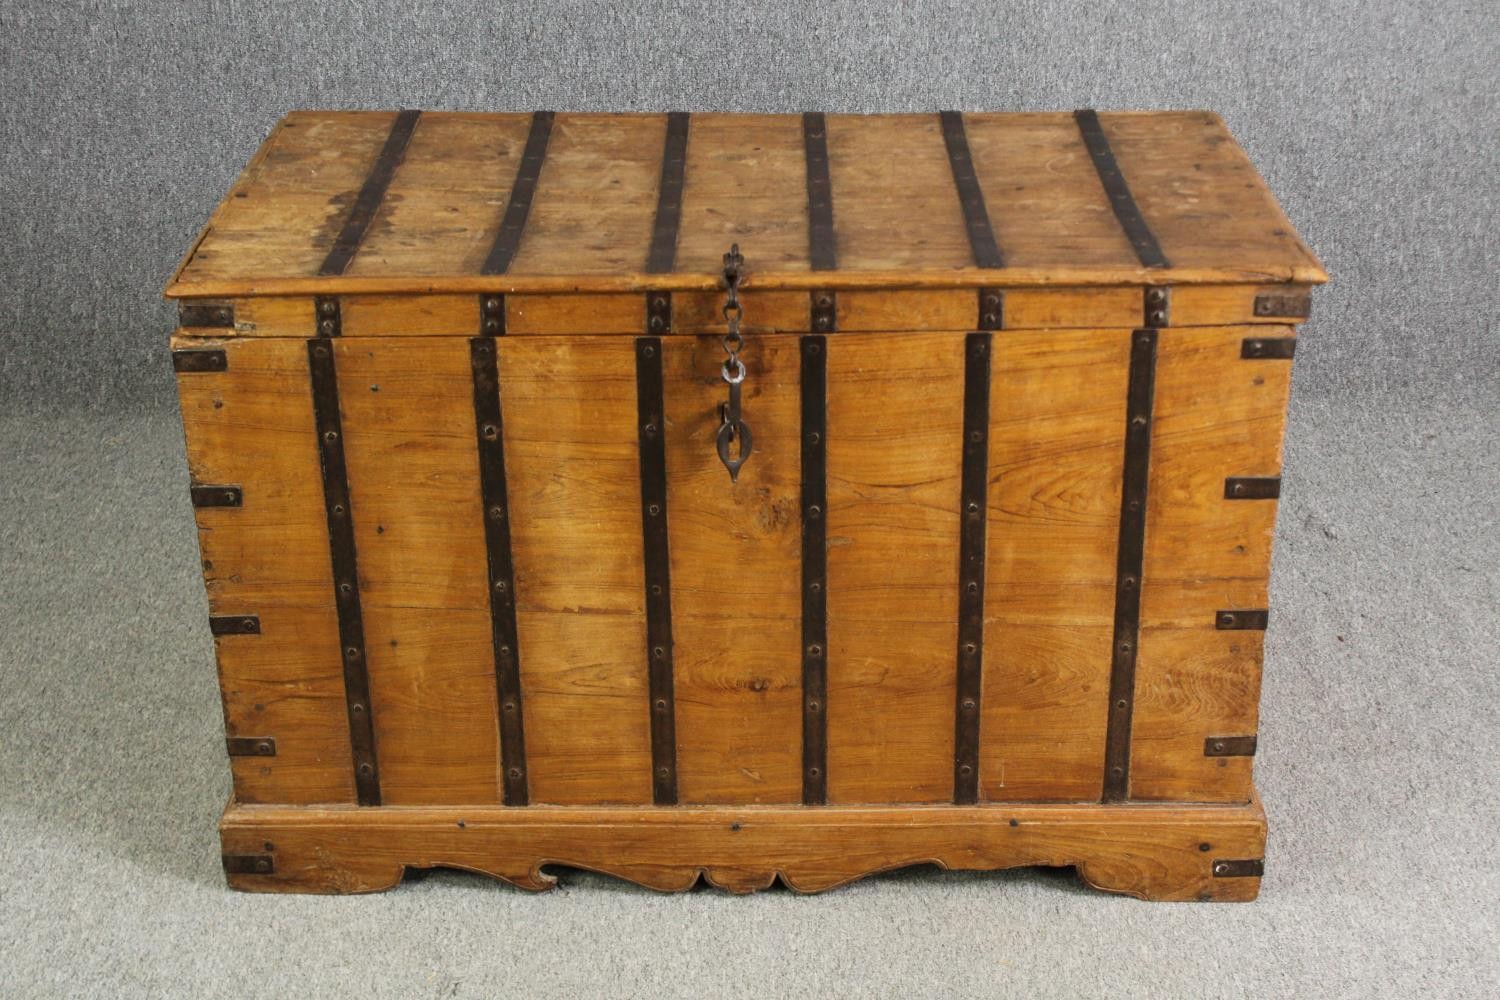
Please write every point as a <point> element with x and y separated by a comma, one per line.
<point>733,342</point>
<point>739,367</point>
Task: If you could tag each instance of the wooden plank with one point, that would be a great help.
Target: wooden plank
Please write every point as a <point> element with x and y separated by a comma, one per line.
<point>893,192</point>
<point>1153,852</point>
<point>252,425</point>
<point>445,205</point>
<point>1216,415</point>
<point>593,211</point>
<point>1058,404</point>
<point>287,683</point>
<point>571,460</point>
<point>734,549</point>
<point>895,429</point>
<point>419,529</point>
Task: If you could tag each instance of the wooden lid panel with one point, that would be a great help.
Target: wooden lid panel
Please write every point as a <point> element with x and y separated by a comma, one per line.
<point>746,183</point>
<point>898,212</point>
<point>443,209</point>
<point>1045,202</point>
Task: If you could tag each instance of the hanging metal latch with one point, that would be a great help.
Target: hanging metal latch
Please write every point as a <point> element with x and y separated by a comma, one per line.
<point>733,431</point>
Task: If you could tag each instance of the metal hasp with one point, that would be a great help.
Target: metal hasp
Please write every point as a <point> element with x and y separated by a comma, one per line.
<point>1147,250</point>
<point>663,253</point>
<point>1242,619</point>
<point>658,312</point>
<point>973,514</point>
<point>991,309</point>
<point>970,195</point>
<point>1156,308</point>
<point>250,746</point>
<point>212,495</point>
<point>367,202</point>
<point>1252,488</point>
<point>1130,556</point>
<point>490,437</point>
<point>1229,746</point>
<point>234,625</point>
<point>824,311</point>
<point>814,570</point>
<point>199,360</point>
<point>653,466</point>
<point>249,864</point>
<point>340,514</point>
<point>513,222</point>
<point>329,316</point>
<point>492,315</point>
<point>1268,348</point>
<point>733,441</point>
<point>209,314</point>
<point>1297,305</point>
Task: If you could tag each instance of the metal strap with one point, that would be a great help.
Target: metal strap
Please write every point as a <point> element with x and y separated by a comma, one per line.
<point>1129,559</point>
<point>330,430</point>
<point>820,239</point>
<point>970,196</point>
<point>663,252</point>
<point>814,570</point>
<point>974,501</point>
<point>1120,199</point>
<point>502,579</point>
<point>653,459</point>
<point>367,203</point>
<point>513,223</point>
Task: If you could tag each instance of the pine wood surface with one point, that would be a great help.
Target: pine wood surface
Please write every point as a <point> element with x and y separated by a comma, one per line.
<point>1151,852</point>
<point>896,216</point>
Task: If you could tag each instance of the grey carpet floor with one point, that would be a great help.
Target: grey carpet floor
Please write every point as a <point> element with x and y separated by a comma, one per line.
<point>1379,744</point>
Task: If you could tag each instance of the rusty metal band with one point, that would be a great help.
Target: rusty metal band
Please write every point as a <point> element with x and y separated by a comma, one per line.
<point>663,253</point>
<point>814,570</point>
<point>489,432</point>
<point>200,360</point>
<point>249,864</point>
<point>1129,558</point>
<point>513,223</point>
<point>330,431</point>
<point>1120,199</point>
<point>1229,746</point>
<point>970,196</point>
<point>367,202</point>
<point>820,241</point>
<point>217,495</point>
<point>653,456</point>
<point>1242,619</point>
<point>1252,488</point>
<point>234,624</point>
<point>250,746</point>
<point>971,548</point>
<point>1268,348</point>
<point>220,315</point>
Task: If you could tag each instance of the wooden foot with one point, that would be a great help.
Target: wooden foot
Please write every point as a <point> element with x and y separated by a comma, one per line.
<point>1159,852</point>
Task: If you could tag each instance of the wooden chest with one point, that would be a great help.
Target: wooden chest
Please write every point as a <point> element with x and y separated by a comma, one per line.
<point>988,588</point>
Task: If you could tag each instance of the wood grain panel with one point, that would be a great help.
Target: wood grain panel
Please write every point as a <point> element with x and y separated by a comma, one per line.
<point>252,425</point>
<point>895,427</point>
<point>443,208</point>
<point>596,198</point>
<point>746,183</point>
<point>407,404</point>
<point>1216,416</point>
<point>572,461</point>
<point>1202,197</point>
<point>288,683</point>
<point>1057,404</point>
<point>1153,852</point>
<point>735,549</point>
<point>894,202</point>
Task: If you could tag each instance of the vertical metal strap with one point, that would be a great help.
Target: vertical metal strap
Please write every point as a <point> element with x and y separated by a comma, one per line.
<point>513,223</point>
<point>330,430</point>
<point>973,515</point>
<point>653,449</point>
<point>821,247</point>
<point>367,203</point>
<point>663,253</point>
<point>1130,555</point>
<point>814,570</point>
<point>1120,199</point>
<point>970,196</point>
<point>489,429</point>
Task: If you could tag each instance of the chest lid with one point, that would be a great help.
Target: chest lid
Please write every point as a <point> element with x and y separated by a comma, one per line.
<point>377,203</point>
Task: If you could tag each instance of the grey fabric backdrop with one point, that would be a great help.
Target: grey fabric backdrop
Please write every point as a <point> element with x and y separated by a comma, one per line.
<point>1375,123</point>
